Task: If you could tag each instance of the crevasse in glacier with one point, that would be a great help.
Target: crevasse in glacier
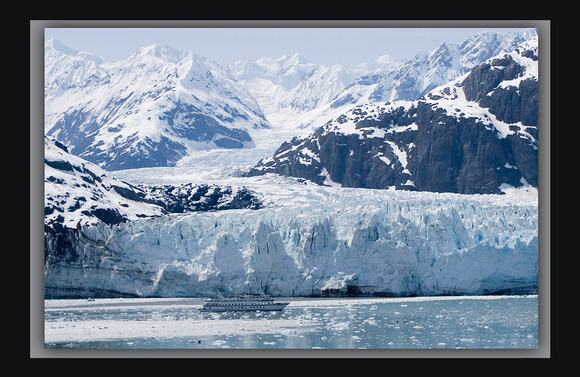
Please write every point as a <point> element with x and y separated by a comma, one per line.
<point>393,242</point>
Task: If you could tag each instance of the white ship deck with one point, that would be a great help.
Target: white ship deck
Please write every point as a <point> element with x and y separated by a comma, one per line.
<point>244,303</point>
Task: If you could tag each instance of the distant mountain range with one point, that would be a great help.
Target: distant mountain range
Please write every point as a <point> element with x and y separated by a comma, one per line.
<point>297,93</point>
<point>162,104</point>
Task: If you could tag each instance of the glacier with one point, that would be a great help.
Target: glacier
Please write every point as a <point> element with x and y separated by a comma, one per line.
<point>308,240</point>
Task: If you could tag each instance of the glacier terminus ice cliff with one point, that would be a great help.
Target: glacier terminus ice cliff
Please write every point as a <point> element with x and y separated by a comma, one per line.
<point>399,243</point>
<point>247,204</point>
<point>283,237</point>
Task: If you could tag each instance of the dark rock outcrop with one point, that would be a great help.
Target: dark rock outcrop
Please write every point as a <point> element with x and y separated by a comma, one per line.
<point>199,198</point>
<point>439,143</point>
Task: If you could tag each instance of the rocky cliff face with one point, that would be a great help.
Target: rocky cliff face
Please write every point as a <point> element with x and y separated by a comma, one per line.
<point>477,134</point>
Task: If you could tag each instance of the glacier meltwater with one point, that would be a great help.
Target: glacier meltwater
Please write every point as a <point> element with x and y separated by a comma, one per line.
<point>310,240</point>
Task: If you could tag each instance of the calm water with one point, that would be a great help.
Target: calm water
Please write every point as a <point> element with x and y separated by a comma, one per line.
<point>400,323</point>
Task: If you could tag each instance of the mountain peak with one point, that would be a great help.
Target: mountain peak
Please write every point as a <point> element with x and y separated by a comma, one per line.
<point>60,48</point>
<point>163,52</point>
<point>387,60</point>
<point>280,59</point>
<point>55,44</point>
<point>294,60</point>
<point>390,144</point>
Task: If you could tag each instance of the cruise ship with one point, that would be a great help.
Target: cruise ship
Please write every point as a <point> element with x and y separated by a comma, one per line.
<point>242,303</point>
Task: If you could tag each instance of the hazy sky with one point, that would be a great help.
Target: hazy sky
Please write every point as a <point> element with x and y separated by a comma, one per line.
<point>344,46</point>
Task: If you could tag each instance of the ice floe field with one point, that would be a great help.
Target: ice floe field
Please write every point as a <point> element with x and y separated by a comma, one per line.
<point>474,322</point>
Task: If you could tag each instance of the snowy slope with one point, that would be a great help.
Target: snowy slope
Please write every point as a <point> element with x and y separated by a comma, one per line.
<point>271,80</point>
<point>150,109</point>
<point>297,94</point>
<point>78,192</point>
<point>289,87</point>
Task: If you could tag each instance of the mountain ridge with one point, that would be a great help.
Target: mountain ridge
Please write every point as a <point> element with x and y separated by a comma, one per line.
<point>162,104</point>
<point>475,135</point>
<point>319,97</point>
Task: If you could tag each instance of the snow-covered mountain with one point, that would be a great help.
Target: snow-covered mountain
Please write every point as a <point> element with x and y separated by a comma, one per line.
<point>162,104</point>
<point>295,93</point>
<point>150,109</point>
<point>428,70</point>
<point>289,86</point>
<point>476,134</point>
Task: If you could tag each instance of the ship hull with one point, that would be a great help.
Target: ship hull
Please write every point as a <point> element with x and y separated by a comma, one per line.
<point>246,307</point>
